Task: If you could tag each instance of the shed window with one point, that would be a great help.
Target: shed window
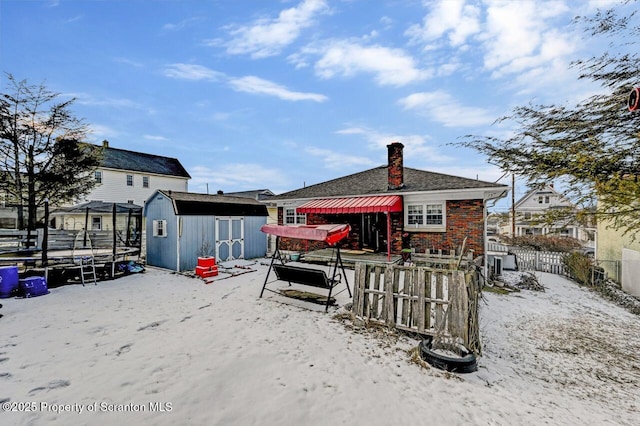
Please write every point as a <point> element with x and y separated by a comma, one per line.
<point>159,228</point>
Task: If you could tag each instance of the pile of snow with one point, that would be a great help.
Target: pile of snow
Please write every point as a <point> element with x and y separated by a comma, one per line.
<point>161,348</point>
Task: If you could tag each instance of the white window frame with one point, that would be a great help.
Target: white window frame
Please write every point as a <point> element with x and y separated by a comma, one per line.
<point>98,222</point>
<point>98,176</point>
<point>292,217</point>
<point>160,228</point>
<point>416,216</point>
<point>129,180</point>
<point>145,181</point>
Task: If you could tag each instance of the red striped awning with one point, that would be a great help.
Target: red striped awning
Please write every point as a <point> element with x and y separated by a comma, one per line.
<point>386,203</point>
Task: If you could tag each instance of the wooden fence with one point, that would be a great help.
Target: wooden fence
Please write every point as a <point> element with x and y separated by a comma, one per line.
<point>544,261</point>
<point>418,299</point>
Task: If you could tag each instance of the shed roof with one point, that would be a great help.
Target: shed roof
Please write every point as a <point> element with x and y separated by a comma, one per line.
<point>375,181</point>
<point>122,159</point>
<point>194,204</point>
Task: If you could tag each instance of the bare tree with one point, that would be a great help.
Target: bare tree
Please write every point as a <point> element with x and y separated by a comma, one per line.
<point>41,153</point>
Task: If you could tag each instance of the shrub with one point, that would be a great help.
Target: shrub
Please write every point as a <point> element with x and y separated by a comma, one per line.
<point>582,269</point>
<point>544,243</point>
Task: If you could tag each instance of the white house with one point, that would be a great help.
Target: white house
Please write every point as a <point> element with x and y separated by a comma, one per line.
<point>538,202</point>
<point>132,177</point>
<point>126,178</point>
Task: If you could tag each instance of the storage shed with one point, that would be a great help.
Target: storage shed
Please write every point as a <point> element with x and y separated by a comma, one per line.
<point>182,226</point>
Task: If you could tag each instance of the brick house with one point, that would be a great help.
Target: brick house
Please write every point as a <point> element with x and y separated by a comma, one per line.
<point>418,209</point>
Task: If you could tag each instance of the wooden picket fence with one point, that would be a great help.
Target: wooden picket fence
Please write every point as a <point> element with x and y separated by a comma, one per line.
<point>544,261</point>
<point>427,301</point>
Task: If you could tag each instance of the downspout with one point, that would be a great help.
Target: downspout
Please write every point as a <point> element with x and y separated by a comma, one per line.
<point>388,213</point>
<point>485,268</point>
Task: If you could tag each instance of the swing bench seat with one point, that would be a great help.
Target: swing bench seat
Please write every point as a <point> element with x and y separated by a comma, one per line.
<point>305,276</point>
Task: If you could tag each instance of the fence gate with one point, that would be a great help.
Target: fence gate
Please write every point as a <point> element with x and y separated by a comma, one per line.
<point>229,238</point>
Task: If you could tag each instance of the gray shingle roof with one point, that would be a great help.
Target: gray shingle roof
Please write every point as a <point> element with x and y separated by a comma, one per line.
<point>375,182</point>
<point>122,159</point>
<point>189,203</point>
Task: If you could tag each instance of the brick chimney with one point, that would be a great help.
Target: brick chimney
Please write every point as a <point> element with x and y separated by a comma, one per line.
<point>395,168</point>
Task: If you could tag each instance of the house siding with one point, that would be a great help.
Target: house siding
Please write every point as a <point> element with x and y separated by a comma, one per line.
<point>114,186</point>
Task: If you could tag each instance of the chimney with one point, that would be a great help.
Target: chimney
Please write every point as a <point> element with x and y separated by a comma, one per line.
<point>105,143</point>
<point>395,169</point>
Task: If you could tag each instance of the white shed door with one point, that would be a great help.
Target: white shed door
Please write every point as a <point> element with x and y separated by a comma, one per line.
<point>229,238</point>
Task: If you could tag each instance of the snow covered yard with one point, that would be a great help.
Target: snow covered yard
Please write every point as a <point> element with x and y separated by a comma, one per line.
<point>161,348</point>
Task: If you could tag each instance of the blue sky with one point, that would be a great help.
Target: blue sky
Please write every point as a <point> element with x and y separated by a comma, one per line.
<point>252,94</point>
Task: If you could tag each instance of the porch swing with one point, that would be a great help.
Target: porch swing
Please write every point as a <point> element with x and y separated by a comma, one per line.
<point>331,234</point>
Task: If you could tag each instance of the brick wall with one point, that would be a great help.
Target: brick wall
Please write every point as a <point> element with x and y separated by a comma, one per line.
<point>464,219</point>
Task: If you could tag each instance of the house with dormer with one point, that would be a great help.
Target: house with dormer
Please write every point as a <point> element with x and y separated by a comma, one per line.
<point>392,206</point>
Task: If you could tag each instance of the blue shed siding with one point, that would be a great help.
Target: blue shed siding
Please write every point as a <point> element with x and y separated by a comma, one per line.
<point>161,251</point>
<point>197,231</point>
<point>255,241</point>
<point>188,235</point>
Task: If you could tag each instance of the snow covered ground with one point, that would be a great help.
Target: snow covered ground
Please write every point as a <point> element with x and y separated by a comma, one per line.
<point>161,348</point>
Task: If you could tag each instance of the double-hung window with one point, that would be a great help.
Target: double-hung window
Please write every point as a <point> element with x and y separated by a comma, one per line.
<point>291,217</point>
<point>129,180</point>
<point>429,215</point>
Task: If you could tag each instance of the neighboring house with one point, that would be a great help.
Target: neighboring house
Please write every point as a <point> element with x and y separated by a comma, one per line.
<point>619,255</point>
<point>534,205</point>
<point>182,226</point>
<point>131,177</point>
<point>431,210</point>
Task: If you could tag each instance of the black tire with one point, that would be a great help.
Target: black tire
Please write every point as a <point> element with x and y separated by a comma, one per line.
<point>465,363</point>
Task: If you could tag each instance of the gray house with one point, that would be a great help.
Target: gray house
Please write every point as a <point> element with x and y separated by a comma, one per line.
<point>183,226</point>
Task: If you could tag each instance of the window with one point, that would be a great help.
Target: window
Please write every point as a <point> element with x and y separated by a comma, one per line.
<point>145,181</point>
<point>414,215</point>
<point>425,215</point>
<point>96,223</point>
<point>98,176</point>
<point>434,214</point>
<point>129,180</point>
<point>293,218</point>
<point>527,215</point>
<point>159,228</point>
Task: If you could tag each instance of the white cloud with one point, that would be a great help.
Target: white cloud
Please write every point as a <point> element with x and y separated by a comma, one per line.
<point>415,146</point>
<point>191,72</point>
<point>390,67</point>
<point>335,160</point>
<point>518,33</point>
<point>155,138</point>
<point>442,107</point>
<point>256,85</point>
<point>267,37</point>
<point>454,18</point>
<point>235,177</point>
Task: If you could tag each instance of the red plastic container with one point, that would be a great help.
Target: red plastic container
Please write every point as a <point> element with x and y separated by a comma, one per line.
<point>206,261</point>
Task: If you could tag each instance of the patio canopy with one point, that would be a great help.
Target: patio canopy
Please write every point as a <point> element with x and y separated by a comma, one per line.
<point>328,233</point>
<point>385,203</point>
